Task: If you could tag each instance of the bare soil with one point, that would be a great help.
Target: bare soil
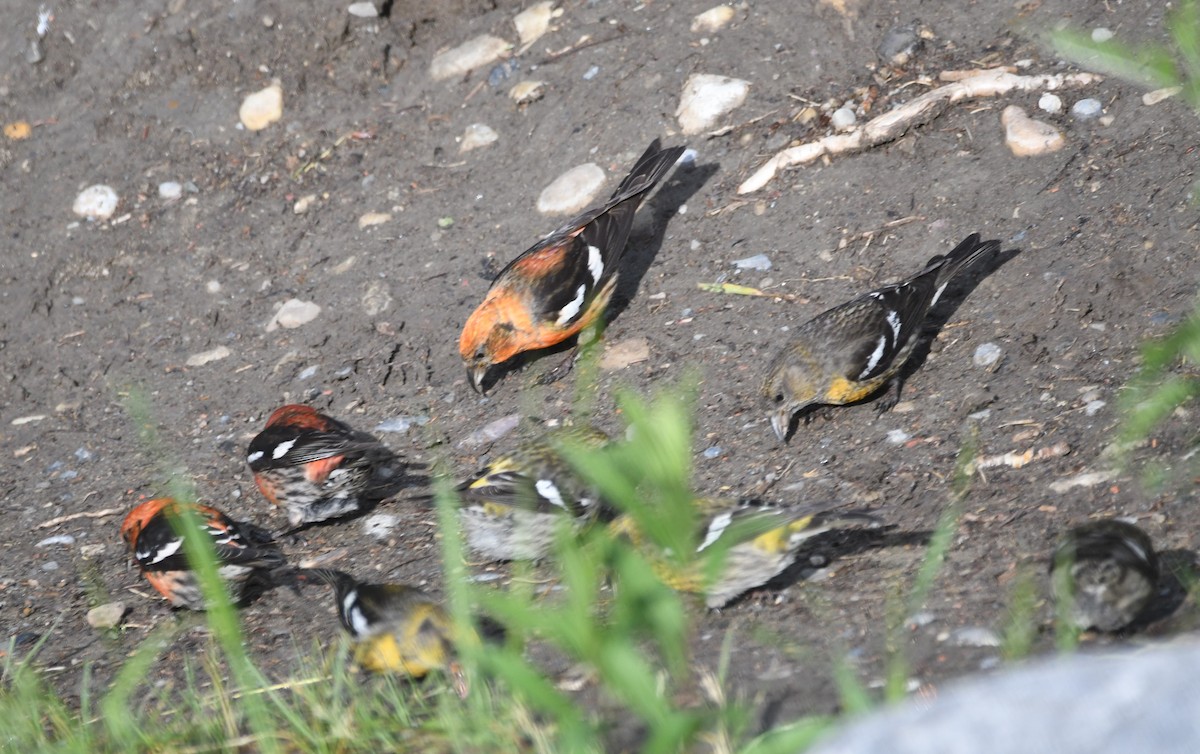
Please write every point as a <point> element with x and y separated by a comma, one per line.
<point>132,94</point>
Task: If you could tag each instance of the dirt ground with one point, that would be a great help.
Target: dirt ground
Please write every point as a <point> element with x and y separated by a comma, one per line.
<point>132,94</point>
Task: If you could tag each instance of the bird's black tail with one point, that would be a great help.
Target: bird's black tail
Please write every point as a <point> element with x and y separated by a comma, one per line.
<point>947,267</point>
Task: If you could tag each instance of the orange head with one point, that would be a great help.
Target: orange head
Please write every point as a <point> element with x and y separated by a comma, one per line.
<point>495,332</point>
<point>298,416</point>
<point>140,517</point>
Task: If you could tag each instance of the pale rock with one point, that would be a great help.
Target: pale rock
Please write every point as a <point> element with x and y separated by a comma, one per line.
<point>1051,103</point>
<point>623,353</point>
<point>490,432</point>
<point>262,108</point>
<point>987,355</point>
<point>474,53</point>
<point>379,525</point>
<point>1086,109</point>
<point>97,202</point>
<point>534,21</point>
<point>526,92</point>
<point>363,10</point>
<point>1101,34</point>
<point>205,357</point>
<point>712,19</point>
<point>1158,95</point>
<point>572,191</point>
<point>373,218</point>
<point>377,299</point>
<point>477,135</point>
<point>170,190</point>
<point>292,314</point>
<point>1027,137</point>
<point>843,119</point>
<point>706,98</point>
<point>107,616</point>
<point>303,204</point>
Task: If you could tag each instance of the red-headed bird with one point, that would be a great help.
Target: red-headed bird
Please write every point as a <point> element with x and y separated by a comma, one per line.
<point>246,556</point>
<point>563,283</point>
<point>318,468</point>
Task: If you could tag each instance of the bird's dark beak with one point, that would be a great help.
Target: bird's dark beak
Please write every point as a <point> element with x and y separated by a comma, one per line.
<point>475,376</point>
<point>781,420</point>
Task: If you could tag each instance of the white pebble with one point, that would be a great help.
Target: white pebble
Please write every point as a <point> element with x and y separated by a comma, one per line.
<point>292,314</point>
<point>97,202</point>
<point>379,525</point>
<point>205,357</point>
<point>373,218</point>
<point>975,636</point>
<point>534,21</point>
<point>106,616</point>
<point>572,191</point>
<point>706,98</point>
<point>401,424</point>
<point>688,157</point>
<point>759,262</point>
<point>213,286</point>
<point>1093,407</point>
<point>170,190</point>
<point>987,355</point>
<point>490,432</point>
<point>920,619</point>
<point>262,108</point>
<point>898,437</point>
<point>712,19</point>
<point>1051,103</point>
<point>303,203</point>
<point>1101,34</point>
<point>1027,137</point>
<point>591,73</point>
<point>477,135</point>
<point>525,92</point>
<point>1086,109</point>
<point>307,373</point>
<point>60,539</point>
<point>843,118</point>
<point>474,53</point>
<point>363,10</point>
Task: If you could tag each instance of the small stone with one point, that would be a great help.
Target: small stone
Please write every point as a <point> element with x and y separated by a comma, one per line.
<point>445,223</point>
<point>477,135</point>
<point>919,620</point>
<point>490,432</point>
<point>474,53</point>
<point>205,357</point>
<point>758,262</point>
<point>307,373</point>
<point>713,452</point>
<point>974,636</point>
<point>1158,95</point>
<point>170,190</point>
<point>572,191</point>
<point>712,19</point>
<point>379,525</point>
<point>898,437</point>
<point>987,355</point>
<point>401,424</point>
<point>1051,103</point>
<point>303,203</point>
<point>1101,34</point>
<point>59,539</point>
<point>97,202</point>
<point>107,616</point>
<point>525,92</point>
<point>1027,137</point>
<point>262,108</point>
<point>900,44</point>
<point>843,119</point>
<point>591,73</point>
<point>83,454</point>
<point>373,218</point>
<point>50,565</point>
<point>706,98</point>
<point>293,313</point>
<point>534,21</point>
<point>377,299</point>
<point>213,286</point>
<point>502,71</point>
<point>1093,407</point>
<point>623,353</point>
<point>1086,109</point>
<point>27,419</point>
<point>363,10</point>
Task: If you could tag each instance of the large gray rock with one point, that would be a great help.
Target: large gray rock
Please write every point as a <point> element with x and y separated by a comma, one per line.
<point>1144,700</point>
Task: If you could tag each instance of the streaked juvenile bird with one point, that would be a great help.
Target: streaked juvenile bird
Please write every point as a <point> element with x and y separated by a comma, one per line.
<point>512,509</point>
<point>246,555</point>
<point>396,628</point>
<point>847,353</point>
<point>563,283</point>
<point>760,541</point>
<point>318,468</point>
<point>1106,572</point>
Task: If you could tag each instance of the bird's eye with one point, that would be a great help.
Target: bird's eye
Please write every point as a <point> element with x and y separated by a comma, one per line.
<point>481,352</point>
<point>779,397</point>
